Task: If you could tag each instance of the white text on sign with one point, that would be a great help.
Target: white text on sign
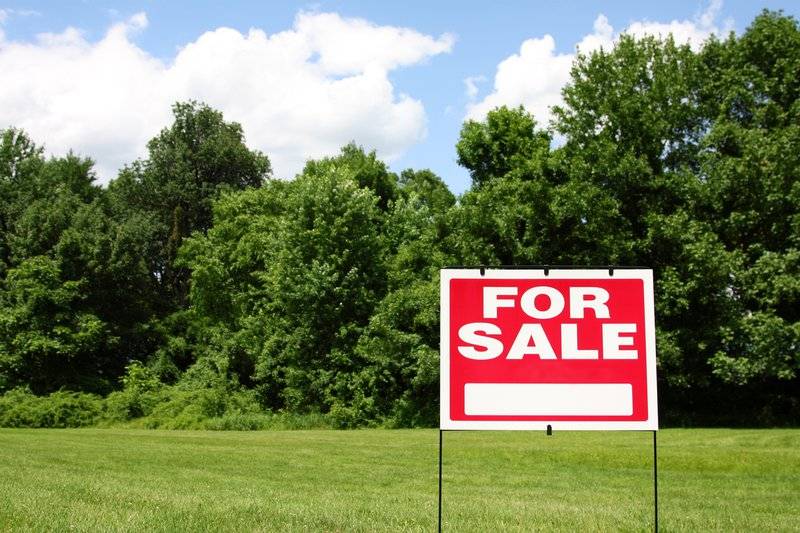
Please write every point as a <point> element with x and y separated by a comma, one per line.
<point>480,340</point>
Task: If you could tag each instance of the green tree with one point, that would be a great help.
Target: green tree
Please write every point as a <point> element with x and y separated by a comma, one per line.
<point>44,343</point>
<point>673,159</point>
<point>20,159</point>
<point>366,169</point>
<point>399,379</point>
<point>507,140</point>
<point>632,123</point>
<point>293,271</point>
<point>751,164</point>
<point>54,334</point>
<point>172,191</point>
<point>427,188</point>
<point>109,256</point>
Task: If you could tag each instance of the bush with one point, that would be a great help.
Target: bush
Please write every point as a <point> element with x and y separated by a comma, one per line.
<point>273,421</point>
<point>183,410</point>
<point>166,408</point>
<point>176,408</point>
<point>63,409</point>
<point>142,392</point>
<point>126,405</point>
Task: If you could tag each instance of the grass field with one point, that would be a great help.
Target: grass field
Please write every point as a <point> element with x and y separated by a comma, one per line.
<point>376,480</point>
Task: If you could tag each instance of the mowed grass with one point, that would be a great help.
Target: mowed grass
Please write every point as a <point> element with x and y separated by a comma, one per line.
<point>385,480</point>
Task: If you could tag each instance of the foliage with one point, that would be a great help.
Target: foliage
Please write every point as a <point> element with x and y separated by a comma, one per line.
<point>296,285</point>
<point>366,170</point>
<point>171,192</point>
<point>205,294</point>
<point>43,342</point>
<point>507,141</point>
<point>21,408</point>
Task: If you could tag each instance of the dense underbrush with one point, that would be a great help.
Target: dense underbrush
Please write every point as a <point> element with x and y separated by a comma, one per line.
<point>145,402</point>
<point>169,408</point>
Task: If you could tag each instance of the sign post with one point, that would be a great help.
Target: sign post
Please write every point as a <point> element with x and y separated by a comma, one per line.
<point>541,348</point>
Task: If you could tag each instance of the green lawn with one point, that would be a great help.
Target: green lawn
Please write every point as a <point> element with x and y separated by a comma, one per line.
<point>727,480</point>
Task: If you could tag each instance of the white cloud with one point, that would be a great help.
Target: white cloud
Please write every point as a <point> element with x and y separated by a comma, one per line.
<point>471,86</point>
<point>692,32</point>
<point>535,76</point>
<point>299,93</point>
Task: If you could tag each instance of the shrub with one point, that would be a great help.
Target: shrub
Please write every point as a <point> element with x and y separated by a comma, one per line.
<point>63,409</point>
<point>273,421</point>
<point>177,408</point>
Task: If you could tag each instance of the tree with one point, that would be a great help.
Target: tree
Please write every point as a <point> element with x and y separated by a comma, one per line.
<point>507,140</point>
<point>44,342</point>
<point>751,165</point>
<point>398,382</point>
<point>427,188</point>
<point>189,164</point>
<point>678,160</point>
<point>20,160</point>
<point>109,257</point>
<point>632,122</point>
<point>293,272</point>
<point>366,169</point>
<point>53,335</point>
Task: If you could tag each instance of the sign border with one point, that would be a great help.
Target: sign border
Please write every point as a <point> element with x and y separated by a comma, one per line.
<point>601,273</point>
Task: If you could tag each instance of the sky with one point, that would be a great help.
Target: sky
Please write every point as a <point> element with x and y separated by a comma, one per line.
<point>303,79</point>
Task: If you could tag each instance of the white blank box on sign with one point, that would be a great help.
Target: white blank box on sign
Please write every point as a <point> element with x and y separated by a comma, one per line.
<point>548,399</point>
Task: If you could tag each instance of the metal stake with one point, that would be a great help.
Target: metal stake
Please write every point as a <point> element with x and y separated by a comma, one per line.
<point>440,481</point>
<point>655,477</point>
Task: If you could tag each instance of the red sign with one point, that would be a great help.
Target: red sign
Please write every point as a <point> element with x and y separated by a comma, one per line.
<point>524,349</point>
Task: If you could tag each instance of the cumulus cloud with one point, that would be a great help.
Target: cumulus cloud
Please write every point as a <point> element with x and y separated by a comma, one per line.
<point>694,32</point>
<point>471,85</point>
<point>532,78</point>
<point>535,76</point>
<point>300,93</point>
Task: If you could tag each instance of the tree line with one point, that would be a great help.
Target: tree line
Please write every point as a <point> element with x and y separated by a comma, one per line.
<point>198,286</point>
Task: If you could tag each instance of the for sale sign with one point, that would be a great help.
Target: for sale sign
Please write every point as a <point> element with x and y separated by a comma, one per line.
<point>524,349</point>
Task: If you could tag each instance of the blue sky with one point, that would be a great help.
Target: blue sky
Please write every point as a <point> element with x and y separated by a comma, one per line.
<point>397,77</point>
